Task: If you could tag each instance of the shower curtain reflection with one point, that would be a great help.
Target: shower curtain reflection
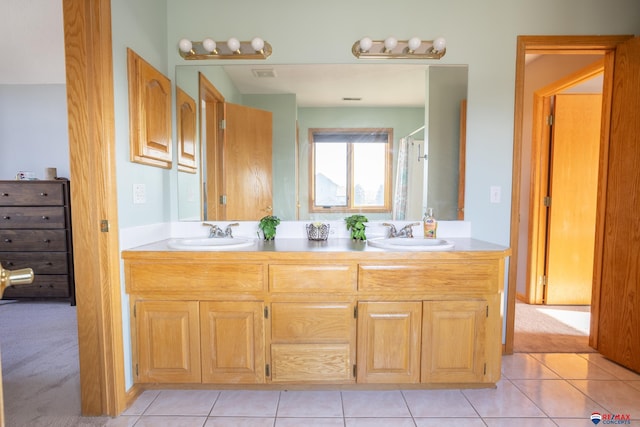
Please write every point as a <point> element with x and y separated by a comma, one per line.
<point>411,175</point>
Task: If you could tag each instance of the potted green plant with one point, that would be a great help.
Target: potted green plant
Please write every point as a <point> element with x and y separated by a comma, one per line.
<point>268,226</point>
<point>355,224</point>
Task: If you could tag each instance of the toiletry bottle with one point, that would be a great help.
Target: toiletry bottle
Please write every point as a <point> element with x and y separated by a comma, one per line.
<point>430,224</point>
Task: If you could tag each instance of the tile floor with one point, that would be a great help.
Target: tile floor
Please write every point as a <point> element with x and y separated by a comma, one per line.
<point>536,389</point>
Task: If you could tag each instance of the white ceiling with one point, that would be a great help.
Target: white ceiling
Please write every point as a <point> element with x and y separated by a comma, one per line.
<point>374,84</point>
<point>31,42</point>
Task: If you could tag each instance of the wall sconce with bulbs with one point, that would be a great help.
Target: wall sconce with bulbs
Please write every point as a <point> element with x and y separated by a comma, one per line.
<point>231,49</point>
<point>392,48</point>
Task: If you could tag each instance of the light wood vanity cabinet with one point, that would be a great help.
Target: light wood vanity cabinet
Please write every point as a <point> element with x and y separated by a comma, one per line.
<point>389,338</point>
<point>168,341</point>
<point>232,342</point>
<point>303,318</point>
<point>454,341</point>
<point>313,342</point>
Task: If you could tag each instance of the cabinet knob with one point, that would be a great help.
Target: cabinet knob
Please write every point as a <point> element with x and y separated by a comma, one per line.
<point>44,194</point>
<point>6,217</point>
<point>7,240</point>
<point>44,217</point>
<point>5,194</point>
<point>47,241</point>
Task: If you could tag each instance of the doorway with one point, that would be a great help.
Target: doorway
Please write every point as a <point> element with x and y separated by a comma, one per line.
<point>563,160</point>
<point>562,121</point>
<point>543,45</point>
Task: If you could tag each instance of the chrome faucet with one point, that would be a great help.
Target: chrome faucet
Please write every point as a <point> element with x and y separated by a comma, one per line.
<point>405,231</point>
<point>216,232</point>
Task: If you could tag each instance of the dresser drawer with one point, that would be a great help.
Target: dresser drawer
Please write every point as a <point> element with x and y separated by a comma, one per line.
<point>43,286</point>
<point>31,194</point>
<point>33,240</point>
<point>40,262</point>
<point>32,217</point>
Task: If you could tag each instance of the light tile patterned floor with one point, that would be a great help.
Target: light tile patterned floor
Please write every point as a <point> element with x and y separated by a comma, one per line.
<point>537,389</point>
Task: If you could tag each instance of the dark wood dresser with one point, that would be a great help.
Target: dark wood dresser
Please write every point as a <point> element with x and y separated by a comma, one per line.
<point>35,232</point>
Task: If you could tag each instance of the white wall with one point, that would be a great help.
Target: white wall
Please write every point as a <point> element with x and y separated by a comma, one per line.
<point>33,129</point>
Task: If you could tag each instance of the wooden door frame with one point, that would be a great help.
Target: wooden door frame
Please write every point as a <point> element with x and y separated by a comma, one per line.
<point>90,104</point>
<point>540,175</point>
<point>558,45</point>
<point>211,148</point>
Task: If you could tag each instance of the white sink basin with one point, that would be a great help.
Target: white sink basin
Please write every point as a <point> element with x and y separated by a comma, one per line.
<point>210,244</point>
<point>411,244</point>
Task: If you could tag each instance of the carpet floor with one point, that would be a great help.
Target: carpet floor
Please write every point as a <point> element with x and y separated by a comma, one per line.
<point>551,329</point>
<point>40,369</point>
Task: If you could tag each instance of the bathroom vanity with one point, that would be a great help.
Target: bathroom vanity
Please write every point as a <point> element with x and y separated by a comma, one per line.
<point>299,312</point>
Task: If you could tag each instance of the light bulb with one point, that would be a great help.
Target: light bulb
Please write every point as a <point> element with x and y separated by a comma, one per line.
<point>185,45</point>
<point>390,43</point>
<point>439,44</point>
<point>233,44</point>
<point>209,45</point>
<point>257,44</point>
<point>365,44</point>
<point>414,43</point>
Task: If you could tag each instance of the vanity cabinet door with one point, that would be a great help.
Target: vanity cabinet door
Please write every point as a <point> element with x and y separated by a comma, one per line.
<point>389,342</point>
<point>232,342</point>
<point>454,340</point>
<point>168,338</point>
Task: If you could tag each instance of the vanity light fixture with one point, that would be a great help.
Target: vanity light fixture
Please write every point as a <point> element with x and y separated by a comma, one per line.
<point>231,49</point>
<point>392,48</point>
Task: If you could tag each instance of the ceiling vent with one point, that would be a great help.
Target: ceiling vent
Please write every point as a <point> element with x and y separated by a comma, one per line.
<point>263,73</point>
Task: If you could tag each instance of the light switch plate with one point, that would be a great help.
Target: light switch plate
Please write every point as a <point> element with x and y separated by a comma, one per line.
<point>495,194</point>
<point>139,194</point>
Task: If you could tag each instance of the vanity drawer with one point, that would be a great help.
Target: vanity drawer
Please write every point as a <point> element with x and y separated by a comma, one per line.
<point>32,217</point>
<point>183,277</point>
<point>31,194</point>
<point>299,322</point>
<point>312,277</point>
<point>40,262</point>
<point>33,240</point>
<point>318,363</point>
<point>452,277</point>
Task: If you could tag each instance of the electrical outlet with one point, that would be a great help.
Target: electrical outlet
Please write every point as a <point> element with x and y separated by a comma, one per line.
<point>495,194</point>
<point>139,194</point>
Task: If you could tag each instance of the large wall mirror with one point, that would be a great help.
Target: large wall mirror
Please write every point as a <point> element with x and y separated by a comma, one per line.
<point>423,105</point>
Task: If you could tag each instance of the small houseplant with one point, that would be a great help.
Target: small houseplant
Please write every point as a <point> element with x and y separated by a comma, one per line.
<point>355,224</point>
<point>268,226</point>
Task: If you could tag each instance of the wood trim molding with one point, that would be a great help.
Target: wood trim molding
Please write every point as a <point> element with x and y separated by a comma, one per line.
<point>90,103</point>
<point>543,45</point>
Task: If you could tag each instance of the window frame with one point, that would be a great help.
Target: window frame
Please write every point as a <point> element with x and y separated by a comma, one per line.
<point>349,208</point>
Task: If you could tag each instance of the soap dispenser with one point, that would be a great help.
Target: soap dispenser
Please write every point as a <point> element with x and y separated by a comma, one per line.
<point>430,224</point>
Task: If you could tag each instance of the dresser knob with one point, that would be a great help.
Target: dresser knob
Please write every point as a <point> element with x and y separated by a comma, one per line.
<point>6,217</point>
<point>44,194</point>
<point>45,217</point>
<point>5,194</point>
<point>7,240</point>
<point>47,241</point>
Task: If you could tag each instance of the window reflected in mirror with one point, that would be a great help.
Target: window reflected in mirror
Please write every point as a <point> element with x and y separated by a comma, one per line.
<point>351,170</point>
